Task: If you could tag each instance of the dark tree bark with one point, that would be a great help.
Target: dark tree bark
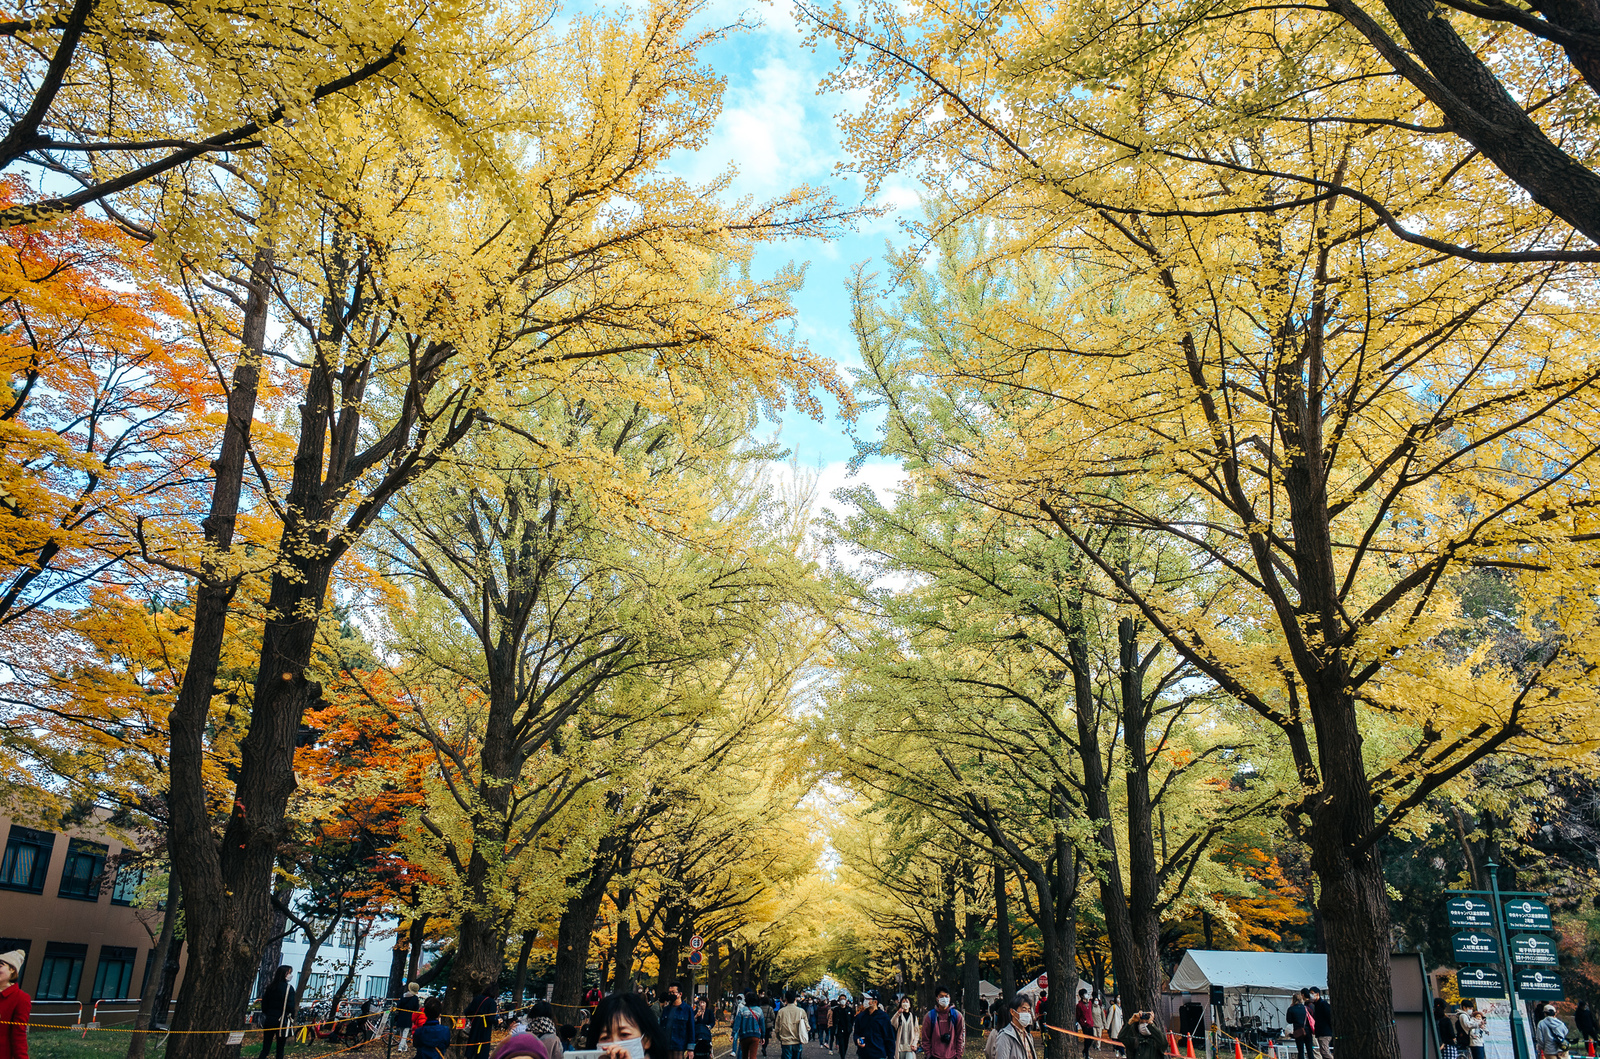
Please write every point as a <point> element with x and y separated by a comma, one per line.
<point>1145,907</point>
<point>971,941</point>
<point>520,984</point>
<point>158,958</point>
<point>1477,105</point>
<point>1002,926</point>
<point>224,930</point>
<point>572,946</point>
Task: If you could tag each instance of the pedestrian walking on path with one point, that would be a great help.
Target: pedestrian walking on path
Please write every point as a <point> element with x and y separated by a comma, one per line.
<point>432,1038</point>
<point>1084,1014</point>
<point>405,1009</point>
<point>825,1023</point>
<point>677,1022</point>
<point>844,1018</point>
<point>874,1033</point>
<point>944,1031</point>
<point>907,1030</point>
<point>16,1007</point>
<point>749,1029</point>
<point>793,1028</point>
<point>1014,1040</point>
<point>277,1004</point>
<point>1550,1035</point>
<point>1322,1014</point>
<point>1583,1018</point>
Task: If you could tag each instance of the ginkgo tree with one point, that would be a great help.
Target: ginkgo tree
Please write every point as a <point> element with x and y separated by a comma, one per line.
<point>427,284</point>
<point>1337,422</point>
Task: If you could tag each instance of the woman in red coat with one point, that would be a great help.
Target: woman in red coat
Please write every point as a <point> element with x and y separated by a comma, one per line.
<point>15,1007</point>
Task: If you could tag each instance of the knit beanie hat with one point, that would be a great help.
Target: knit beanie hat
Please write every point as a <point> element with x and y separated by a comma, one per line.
<point>14,958</point>
<point>519,1044</point>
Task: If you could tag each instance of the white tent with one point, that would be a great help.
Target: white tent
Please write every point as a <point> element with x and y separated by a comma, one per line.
<point>1257,972</point>
<point>988,990</point>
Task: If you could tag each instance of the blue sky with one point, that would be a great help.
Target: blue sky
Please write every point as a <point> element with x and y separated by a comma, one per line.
<point>778,132</point>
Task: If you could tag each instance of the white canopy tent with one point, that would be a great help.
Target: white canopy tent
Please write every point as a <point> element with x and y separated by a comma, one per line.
<point>1255,986</point>
<point>988,990</point>
<point>1257,972</point>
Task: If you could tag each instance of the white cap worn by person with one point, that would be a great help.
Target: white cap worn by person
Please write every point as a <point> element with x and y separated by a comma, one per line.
<point>14,958</point>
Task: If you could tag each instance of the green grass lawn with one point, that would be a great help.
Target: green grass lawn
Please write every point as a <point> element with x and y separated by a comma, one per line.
<point>113,1044</point>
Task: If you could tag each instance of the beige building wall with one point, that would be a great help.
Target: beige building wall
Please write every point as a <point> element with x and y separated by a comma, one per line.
<point>83,939</point>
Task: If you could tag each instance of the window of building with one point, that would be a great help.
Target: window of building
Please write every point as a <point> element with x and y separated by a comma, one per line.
<point>27,859</point>
<point>115,973</point>
<point>61,971</point>
<point>377,986</point>
<point>125,888</point>
<point>347,934</point>
<point>80,876</point>
<point>317,985</point>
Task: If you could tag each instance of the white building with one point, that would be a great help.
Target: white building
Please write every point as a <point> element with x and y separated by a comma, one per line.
<point>373,954</point>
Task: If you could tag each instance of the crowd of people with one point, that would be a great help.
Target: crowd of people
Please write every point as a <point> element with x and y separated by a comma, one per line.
<point>678,1025</point>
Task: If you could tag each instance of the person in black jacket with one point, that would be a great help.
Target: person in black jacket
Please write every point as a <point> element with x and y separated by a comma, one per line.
<point>844,1017</point>
<point>404,1008</point>
<point>874,1032</point>
<point>480,1021</point>
<point>1587,1024</point>
<point>277,1004</point>
<point>1322,1015</point>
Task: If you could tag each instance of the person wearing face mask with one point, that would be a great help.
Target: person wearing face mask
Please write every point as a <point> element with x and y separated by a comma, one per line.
<point>677,1022</point>
<point>944,1031</point>
<point>874,1032</point>
<point>1140,1038</point>
<point>623,1026</point>
<point>907,1031</point>
<point>1014,1040</point>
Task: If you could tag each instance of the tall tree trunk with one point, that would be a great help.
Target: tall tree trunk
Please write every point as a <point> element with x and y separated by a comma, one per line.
<point>1097,798</point>
<point>1354,901</point>
<point>224,924</point>
<point>716,968</point>
<point>1143,959</point>
<point>520,985</point>
<point>350,972</point>
<point>158,958</point>
<point>944,936</point>
<point>313,946</point>
<point>1002,929</point>
<point>972,942</point>
<point>1060,932</point>
<point>272,956</point>
<point>572,948</point>
<point>169,982</point>
<point>417,935</point>
<point>622,975</point>
<point>671,944</point>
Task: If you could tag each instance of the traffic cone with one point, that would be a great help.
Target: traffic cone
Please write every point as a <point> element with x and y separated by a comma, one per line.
<point>1172,1044</point>
<point>1591,1050</point>
<point>1191,1046</point>
<point>1238,1052</point>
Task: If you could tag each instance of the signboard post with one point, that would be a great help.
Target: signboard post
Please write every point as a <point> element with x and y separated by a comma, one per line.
<point>1519,966</point>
